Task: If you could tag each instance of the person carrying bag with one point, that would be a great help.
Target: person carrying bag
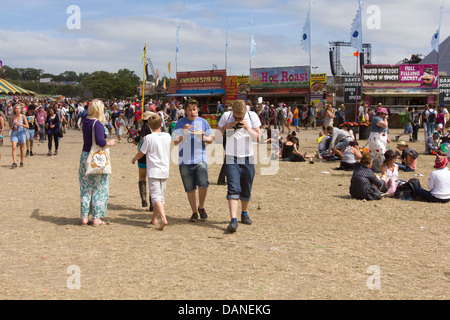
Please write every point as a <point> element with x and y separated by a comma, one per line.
<point>95,165</point>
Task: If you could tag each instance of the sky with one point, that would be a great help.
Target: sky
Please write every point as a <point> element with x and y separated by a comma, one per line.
<point>111,34</point>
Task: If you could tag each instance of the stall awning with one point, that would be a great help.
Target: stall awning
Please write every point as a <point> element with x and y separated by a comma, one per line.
<point>9,88</point>
<point>198,93</point>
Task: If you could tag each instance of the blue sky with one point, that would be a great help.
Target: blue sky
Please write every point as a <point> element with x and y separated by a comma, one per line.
<point>113,33</point>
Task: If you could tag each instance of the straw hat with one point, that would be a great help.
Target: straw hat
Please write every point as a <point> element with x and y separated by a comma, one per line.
<point>146,115</point>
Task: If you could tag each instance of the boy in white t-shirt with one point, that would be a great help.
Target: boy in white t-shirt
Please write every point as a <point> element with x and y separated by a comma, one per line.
<point>156,147</point>
<point>242,129</point>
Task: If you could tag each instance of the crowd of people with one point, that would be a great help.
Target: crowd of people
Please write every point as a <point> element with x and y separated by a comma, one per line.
<point>375,168</point>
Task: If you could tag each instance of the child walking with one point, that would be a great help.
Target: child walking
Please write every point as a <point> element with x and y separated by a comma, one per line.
<point>156,148</point>
<point>120,123</point>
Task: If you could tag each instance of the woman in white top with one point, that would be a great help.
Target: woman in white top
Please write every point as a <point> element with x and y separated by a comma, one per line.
<point>439,183</point>
<point>328,116</point>
<point>350,156</point>
<point>389,171</point>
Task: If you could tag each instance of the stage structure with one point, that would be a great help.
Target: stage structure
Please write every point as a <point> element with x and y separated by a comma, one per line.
<point>337,69</point>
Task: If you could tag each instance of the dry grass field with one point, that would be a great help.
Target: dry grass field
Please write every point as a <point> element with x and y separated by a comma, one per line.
<point>309,239</point>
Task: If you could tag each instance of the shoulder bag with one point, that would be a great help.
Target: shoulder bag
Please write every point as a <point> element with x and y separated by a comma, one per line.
<point>98,161</point>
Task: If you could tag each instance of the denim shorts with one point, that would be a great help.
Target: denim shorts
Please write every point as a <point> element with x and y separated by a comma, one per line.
<point>240,175</point>
<point>408,128</point>
<point>343,144</point>
<point>18,136</point>
<point>194,175</point>
<point>29,134</point>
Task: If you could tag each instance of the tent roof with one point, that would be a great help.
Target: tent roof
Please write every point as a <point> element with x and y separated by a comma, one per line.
<point>9,88</point>
<point>444,57</point>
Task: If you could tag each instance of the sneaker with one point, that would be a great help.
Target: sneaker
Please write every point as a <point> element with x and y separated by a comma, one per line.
<point>232,227</point>
<point>194,217</point>
<point>203,214</point>
<point>21,164</point>
<point>14,165</point>
<point>56,152</point>
<point>49,153</point>
<point>245,219</point>
<point>27,153</point>
<point>31,153</point>
<point>311,161</point>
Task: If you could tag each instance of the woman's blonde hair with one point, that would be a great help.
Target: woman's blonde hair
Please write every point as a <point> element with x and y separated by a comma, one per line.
<point>97,110</point>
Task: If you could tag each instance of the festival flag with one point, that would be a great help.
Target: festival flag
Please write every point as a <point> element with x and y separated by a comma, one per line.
<point>176,55</point>
<point>1,66</point>
<point>253,48</point>
<point>356,31</point>
<point>306,40</point>
<point>164,83</point>
<point>436,35</point>
<point>168,67</point>
<point>252,41</point>
<point>144,53</point>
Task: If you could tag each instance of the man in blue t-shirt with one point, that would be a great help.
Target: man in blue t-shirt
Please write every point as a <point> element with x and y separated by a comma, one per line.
<point>191,135</point>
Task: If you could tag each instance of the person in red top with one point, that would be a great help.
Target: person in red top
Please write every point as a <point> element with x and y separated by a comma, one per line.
<point>137,115</point>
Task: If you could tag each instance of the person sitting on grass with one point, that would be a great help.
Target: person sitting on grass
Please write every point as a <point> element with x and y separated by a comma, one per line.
<point>350,157</point>
<point>365,185</point>
<point>409,157</point>
<point>439,183</point>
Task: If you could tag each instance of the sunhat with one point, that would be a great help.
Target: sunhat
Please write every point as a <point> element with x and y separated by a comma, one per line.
<point>382,110</point>
<point>402,143</point>
<point>389,155</point>
<point>146,115</point>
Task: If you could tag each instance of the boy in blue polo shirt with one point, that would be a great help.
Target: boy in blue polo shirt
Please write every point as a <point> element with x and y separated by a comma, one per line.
<point>191,135</point>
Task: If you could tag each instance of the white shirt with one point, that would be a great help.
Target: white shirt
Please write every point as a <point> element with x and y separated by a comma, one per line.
<point>156,146</point>
<point>239,142</point>
<point>439,183</point>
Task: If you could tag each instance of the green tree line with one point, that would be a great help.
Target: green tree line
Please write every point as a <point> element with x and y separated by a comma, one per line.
<point>103,84</point>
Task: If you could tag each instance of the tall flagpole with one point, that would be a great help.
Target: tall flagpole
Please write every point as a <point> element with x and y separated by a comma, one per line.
<point>226,47</point>
<point>144,58</point>
<point>251,43</point>
<point>176,54</point>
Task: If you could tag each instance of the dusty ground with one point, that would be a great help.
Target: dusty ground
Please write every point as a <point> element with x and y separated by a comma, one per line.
<point>309,239</point>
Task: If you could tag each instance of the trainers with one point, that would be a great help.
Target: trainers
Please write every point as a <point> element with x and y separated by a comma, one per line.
<point>21,164</point>
<point>245,219</point>
<point>232,227</point>
<point>14,165</point>
<point>31,153</point>
<point>56,152</point>
<point>27,153</point>
<point>49,153</point>
<point>203,214</point>
<point>194,217</point>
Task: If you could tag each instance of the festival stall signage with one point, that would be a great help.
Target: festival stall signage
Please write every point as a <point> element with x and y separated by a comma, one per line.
<point>352,89</point>
<point>444,90</point>
<point>400,76</point>
<point>237,87</point>
<point>283,77</point>
<point>200,80</point>
<point>318,88</point>
<point>231,89</point>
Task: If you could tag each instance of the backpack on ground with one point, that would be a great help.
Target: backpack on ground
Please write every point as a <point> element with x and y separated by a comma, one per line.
<point>406,190</point>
